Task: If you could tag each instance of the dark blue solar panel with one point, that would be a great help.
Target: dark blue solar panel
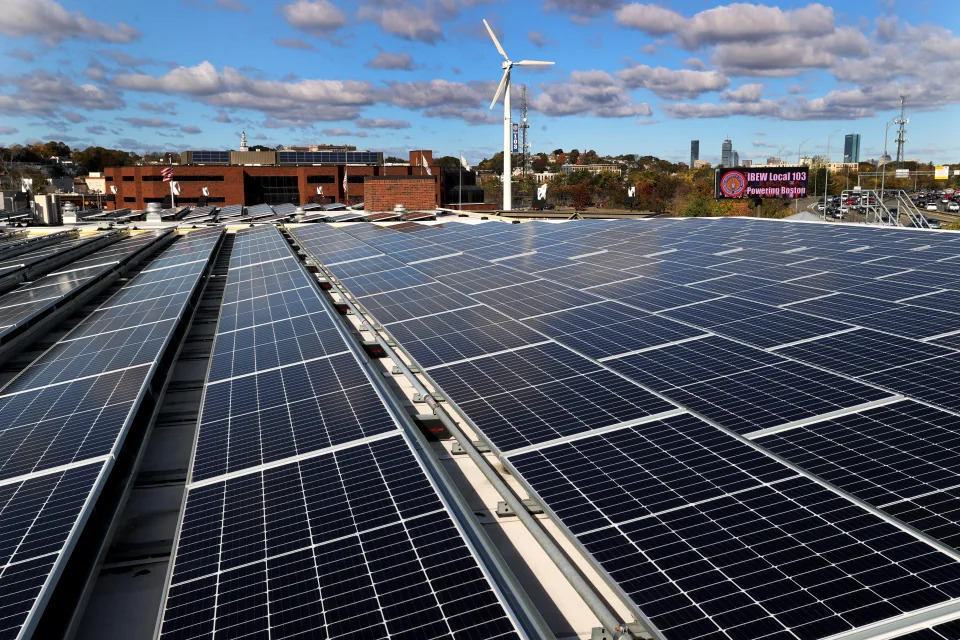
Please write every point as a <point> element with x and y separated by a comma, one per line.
<point>691,362</point>
<point>772,396</point>
<point>348,544</point>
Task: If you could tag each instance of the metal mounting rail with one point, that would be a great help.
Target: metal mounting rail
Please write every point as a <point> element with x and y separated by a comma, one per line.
<point>617,629</point>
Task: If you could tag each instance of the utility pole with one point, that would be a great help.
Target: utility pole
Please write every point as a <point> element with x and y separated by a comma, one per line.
<point>525,149</point>
<point>826,174</point>
<point>796,202</point>
<point>902,133</point>
<point>883,176</point>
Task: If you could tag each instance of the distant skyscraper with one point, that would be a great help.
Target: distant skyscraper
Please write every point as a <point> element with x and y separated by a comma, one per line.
<point>851,148</point>
<point>735,159</point>
<point>726,152</point>
<point>694,152</point>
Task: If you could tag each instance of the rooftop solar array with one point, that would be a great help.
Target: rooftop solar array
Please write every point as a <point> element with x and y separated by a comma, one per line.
<point>748,425</point>
<point>26,303</point>
<point>307,513</point>
<point>64,418</point>
<point>47,257</point>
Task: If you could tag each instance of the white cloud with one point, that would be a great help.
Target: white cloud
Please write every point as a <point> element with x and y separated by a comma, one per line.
<point>340,132</point>
<point>404,21</point>
<point>191,129</point>
<point>736,22</point>
<point>44,93</point>
<point>382,123</point>
<point>594,93</point>
<point>292,103</point>
<point>435,93</point>
<point>581,10</point>
<point>294,43</point>
<point>316,17</point>
<point>169,107</point>
<point>386,60</point>
<point>7,131</point>
<point>149,123</point>
<point>670,83</point>
<point>538,38</point>
<point>49,21</point>
<point>21,54</point>
<point>744,93</point>
<point>472,117</point>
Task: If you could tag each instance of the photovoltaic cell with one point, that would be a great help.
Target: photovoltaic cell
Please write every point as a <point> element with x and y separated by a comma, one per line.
<point>604,479</point>
<point>348,544</point>
<point>691,362</point>
<point>772,396</point>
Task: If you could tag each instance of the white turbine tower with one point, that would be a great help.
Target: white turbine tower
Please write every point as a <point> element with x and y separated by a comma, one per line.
<point>504,89</point>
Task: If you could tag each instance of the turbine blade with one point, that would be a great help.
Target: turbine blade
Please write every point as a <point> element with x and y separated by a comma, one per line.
<point>503,83</point>
<point>495,41</point>
<point>530,63</point>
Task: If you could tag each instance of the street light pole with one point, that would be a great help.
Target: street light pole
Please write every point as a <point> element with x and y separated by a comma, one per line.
<point>796,202</point>
<point>826,175</point>
<point>883,176</point>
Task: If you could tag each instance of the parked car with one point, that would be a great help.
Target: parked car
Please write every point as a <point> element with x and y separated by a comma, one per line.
<point>953,206</point>
<point>933,223</point>
<point>932,206</point>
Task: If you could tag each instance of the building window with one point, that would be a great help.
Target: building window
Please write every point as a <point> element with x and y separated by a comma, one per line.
<point>271,189</point>
<point>128,178</point>
<point>128,199</point>
<point>355,179</point>
<point>108,179</point>
<point>321,179</point>
<point>185,178</point>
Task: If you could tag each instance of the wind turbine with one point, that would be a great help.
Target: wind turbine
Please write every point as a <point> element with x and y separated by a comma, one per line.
<point>504,89</point>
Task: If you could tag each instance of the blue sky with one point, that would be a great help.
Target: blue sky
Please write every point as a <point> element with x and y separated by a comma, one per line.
<point>393,75</point>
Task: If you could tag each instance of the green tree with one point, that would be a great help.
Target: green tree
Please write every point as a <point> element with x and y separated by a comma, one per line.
<point>96,158</point>
<point>448,162</point>
<point>394,160</point>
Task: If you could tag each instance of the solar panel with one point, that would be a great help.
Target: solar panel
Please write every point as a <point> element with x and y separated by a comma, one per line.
<point>461,334</point>
<point>37,516</point>
<point>863,351</point>
<point>609,328</point>
<point>929,380</point>
<point>628,473</point>
<point>307,511</point>
<point>691,361</point>
<point>720,316</point>
<point>62,420</point>
<point>353,543</point>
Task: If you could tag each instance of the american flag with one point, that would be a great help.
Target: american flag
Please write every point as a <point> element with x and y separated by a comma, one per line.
<point>167,173</point>
<point>344,183</point>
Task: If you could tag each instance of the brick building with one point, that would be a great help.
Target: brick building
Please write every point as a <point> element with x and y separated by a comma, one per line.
<point>251,184</point>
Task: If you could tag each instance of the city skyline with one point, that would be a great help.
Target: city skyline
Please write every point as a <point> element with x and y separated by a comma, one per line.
<point>630,77</point>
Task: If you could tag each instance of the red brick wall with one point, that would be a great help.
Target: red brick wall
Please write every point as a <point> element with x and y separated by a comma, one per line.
<point>414,192</point>
<point>231,189</point>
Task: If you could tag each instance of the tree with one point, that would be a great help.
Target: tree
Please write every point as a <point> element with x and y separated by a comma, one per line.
<point>494,164</point>
<point>698,206</point>
<point>96,158</point>
<point>448,162</point>
<point>557,152</point>
<point>581,196</point>
<point>394,160</point>
<point>539,162</point>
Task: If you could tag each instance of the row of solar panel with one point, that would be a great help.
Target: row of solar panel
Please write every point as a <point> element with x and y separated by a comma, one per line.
<point>64,418</point>
<point>502,392</point>
<point>307,513</point>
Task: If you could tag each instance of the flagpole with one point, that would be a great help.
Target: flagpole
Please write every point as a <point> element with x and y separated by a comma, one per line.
<point>460,188</point>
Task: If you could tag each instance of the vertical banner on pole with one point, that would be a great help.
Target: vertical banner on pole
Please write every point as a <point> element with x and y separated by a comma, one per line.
<point>515,144</point>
